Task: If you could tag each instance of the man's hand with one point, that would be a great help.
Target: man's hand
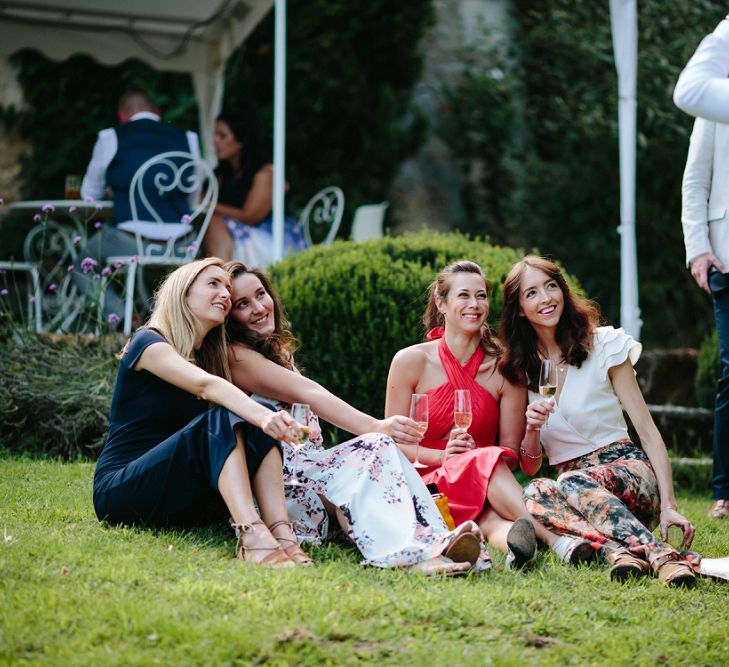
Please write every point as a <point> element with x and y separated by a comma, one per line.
<point>700,266</point>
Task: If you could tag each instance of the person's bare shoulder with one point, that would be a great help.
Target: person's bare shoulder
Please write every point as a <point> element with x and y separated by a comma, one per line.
<point>416,356</point>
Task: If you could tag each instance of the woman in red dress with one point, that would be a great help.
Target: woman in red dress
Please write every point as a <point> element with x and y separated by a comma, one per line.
<point>467,465</point>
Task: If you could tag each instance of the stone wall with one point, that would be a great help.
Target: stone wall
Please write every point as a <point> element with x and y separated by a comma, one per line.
<point>427,190</point>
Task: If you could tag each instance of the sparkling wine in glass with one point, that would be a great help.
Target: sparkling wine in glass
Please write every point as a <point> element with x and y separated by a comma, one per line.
<point>548,382</point>
<point>419,414</point>
<point>462,415</point>
<point>299,437</point>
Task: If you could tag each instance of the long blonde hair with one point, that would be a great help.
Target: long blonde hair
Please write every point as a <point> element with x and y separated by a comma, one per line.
<point>172,318</point>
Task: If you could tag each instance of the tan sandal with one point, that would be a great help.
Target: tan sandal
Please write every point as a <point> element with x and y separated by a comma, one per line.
<point>625,565</point>
<point>293,550</point>
<point>672,570</point>
<point>247,542</point>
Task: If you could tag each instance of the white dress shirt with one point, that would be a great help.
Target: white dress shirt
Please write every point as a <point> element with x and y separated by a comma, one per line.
<point>703,88</point>
<point>94,183</point>
<point>589,415</point>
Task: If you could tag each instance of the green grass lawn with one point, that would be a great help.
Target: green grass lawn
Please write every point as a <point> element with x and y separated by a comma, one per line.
<point>75,592</point>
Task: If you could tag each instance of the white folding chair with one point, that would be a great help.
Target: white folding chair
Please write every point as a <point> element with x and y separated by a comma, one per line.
<point>368,221</point>
<point>35,294</point>
<point>160,242</point>
<point>322,216</point>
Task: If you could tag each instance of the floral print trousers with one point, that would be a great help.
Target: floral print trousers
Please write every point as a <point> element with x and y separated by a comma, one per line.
<point>609,496</point>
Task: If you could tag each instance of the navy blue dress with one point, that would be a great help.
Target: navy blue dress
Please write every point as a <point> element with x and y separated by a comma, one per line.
<point>165,448</point>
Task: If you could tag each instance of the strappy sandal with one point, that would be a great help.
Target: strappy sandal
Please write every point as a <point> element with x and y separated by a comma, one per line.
<point>624,565</point>
<point>247,543</point>
<point>672,570</point>
<point>293,550</point>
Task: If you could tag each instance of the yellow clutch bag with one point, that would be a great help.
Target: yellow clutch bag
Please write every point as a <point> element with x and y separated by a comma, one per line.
<point>441,502</point>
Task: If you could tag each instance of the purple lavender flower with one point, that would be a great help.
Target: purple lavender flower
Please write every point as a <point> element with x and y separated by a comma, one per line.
<point>88,264</point>
<point>76,239</point>
<point>52,287</point>
<point>113,319</point>
<point>2,201</point>
<point>70,268</point>
<point>187,219</point>
<point>72,209</point>
<point>98,207</point>
<point>98,224</point>
<point>88,199</point>
<point>3,292</point>
<point>134,259</point>
<point>48,208</point>
<point>37,217</point>
<point>118,264</point>
<point>192,248</point>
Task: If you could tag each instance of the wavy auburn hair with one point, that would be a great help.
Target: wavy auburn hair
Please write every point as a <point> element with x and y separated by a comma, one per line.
<point>173,319</point>
<point>440,288</point>
<point>575,329</point>
<point>280,346</point>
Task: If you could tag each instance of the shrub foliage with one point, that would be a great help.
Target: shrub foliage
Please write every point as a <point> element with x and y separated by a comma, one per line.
<point>708,370</point>
<point>56,393</point>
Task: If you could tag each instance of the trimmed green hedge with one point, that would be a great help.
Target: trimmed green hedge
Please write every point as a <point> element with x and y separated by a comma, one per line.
<point>353,305</point>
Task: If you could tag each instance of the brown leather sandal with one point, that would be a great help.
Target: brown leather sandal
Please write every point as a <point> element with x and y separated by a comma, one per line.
<point>625,565</point>
<point>672,570</point>
<point>247,542</point>
<point>292,548</point>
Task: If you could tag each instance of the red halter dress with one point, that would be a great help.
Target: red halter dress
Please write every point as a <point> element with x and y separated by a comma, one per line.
<point>463,478</point>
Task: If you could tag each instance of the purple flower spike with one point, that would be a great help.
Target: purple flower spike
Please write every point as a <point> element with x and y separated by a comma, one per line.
<point>98,224</point>
<point>187,219</point>
<point>2,201</point>
<point>52,287</point>
<point>134,259</point>
<point>88,199</point>
<point>72,209</point>
<point>106,271</point>
<point>88,264</point>
<point>76,239</point>
<point>97,277</point>
<point>113,319</point>
<point>118,264</point>
<point>98,207</point>
<point>37,217</point>
<point>48,208</point>
<point>3,292</point>
<point>70,268</point>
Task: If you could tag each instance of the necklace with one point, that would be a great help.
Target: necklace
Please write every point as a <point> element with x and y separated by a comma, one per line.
<point>560,363</point>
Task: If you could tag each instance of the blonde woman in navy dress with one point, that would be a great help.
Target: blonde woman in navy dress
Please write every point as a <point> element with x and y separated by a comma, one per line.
<point>181,436</point>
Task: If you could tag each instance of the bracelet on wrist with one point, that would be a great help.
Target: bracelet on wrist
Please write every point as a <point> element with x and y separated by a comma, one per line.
<point>527,455</point>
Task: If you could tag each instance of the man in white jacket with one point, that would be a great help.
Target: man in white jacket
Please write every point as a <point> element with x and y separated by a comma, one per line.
<point>703,90</point>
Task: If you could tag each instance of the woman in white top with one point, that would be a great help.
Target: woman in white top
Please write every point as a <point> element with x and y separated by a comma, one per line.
<point>608,490</point>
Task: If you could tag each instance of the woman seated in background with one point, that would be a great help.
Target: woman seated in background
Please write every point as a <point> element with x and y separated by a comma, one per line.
<point>609,490</point>
<point>373,491</point>
<point>169,455</point>
<point>466,465</point>
<point>242,224</point>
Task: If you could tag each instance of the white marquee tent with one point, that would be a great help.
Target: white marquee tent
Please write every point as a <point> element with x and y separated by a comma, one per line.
<point>197,36</point>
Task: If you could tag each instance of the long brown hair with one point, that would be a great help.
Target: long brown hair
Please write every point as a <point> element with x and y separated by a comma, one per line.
<point>279,346</point>
<point>440,288</point>
<point>575,329</point>
<point>172,318</point>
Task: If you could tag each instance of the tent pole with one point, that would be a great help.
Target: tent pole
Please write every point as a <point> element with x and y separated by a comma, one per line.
<point>279,129</point>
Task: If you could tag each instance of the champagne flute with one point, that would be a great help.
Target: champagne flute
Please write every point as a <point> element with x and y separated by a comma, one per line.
<point>462,414</point>
<point>299,436</point>
<point>548,382</point>
<point>419,414</point>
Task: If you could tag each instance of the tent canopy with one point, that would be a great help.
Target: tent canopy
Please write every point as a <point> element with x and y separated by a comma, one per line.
<point>193,36</point>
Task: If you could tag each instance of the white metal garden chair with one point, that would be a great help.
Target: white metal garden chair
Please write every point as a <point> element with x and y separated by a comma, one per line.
<point>368,221</point>
<point>165,242</point>
<point>322,216</point>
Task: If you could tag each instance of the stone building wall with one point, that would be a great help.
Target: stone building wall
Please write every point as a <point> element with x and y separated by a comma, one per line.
<point>427,190</point>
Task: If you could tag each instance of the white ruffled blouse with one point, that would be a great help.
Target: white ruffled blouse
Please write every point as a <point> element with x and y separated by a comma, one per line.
<point>588,414</point>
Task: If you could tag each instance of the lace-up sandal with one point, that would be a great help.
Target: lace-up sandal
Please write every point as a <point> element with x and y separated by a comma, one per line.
<point>522,543</point>
<point>248,541</point>
<point>672,570</point>
<point>625,565</point>
<point>574,550</point>
<point>290,544</point>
